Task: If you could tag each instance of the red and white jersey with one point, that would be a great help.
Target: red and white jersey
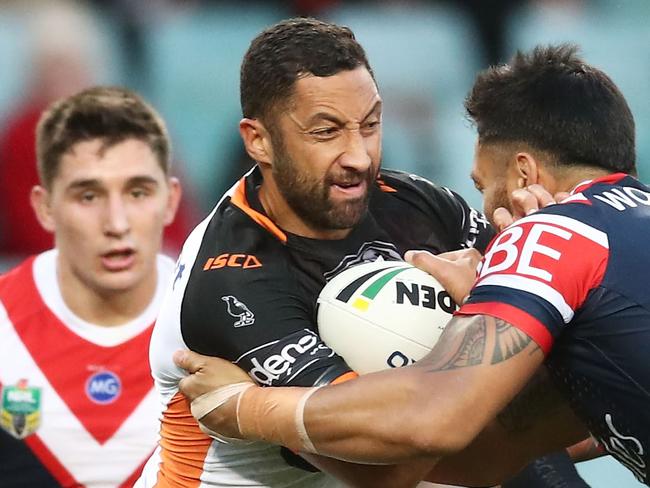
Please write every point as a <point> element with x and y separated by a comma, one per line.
<point>77,407</point>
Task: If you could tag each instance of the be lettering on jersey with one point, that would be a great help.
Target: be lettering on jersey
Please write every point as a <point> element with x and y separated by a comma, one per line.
<point>552,256</point>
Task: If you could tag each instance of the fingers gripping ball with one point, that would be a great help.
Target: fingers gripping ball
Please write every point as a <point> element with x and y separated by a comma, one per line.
<point>382,314</point>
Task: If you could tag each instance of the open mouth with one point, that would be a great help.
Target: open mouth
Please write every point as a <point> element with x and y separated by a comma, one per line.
<point>118,260</point>
<point>350,187</point>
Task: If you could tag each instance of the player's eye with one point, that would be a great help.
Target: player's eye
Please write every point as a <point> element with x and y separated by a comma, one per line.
<point>371,126</point>
<point>325,132</point>
<point>88,196</point>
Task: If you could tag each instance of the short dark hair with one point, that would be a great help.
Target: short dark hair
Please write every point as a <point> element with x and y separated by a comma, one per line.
<point>288,50</point>
<point>112,114</point>
<point>551,100</point>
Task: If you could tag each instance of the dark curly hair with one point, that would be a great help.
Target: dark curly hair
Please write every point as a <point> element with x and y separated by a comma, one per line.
<point>551,100</point>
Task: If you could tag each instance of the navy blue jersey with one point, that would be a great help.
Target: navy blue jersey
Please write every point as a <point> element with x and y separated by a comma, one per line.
<point>573,277</point>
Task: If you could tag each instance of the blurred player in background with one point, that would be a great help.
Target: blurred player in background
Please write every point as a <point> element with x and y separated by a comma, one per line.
<point>562,288</point>
<point>66,56</point>
<point>77,401</point>
<point>249,275</point>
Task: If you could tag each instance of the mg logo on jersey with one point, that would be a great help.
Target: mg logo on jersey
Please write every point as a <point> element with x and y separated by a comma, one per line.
<point>103,387</point>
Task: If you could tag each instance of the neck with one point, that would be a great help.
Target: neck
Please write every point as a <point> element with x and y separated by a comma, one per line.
<point>279,211</point>
<point>565,179</point>
<point>101,307</point>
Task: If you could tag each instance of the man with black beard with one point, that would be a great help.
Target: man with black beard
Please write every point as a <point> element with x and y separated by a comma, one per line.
<point>315,203</point>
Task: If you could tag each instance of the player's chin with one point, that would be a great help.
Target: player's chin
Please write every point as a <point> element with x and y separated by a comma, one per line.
<point>348,214</point>
<point>121,281</point>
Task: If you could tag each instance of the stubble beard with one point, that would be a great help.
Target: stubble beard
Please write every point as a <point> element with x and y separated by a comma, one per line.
<point>310,199</point>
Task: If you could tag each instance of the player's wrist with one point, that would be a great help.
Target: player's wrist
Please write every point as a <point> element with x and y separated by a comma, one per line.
<point>276,415</point>
<point>216,411</point>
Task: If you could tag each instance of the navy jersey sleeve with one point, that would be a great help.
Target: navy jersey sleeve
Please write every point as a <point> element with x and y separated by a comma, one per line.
<point>247,308</point>
<point>539,271</point>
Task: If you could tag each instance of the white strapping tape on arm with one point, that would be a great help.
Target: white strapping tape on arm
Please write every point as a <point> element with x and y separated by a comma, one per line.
<point>206,403</point>
<point>308,445</point>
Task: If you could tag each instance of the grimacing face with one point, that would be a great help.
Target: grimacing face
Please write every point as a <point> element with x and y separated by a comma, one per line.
<point>329,151</point>
<point>494,177</point>
<point>107,208</point>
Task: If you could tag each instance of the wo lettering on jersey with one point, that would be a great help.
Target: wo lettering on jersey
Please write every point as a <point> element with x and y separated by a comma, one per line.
<point>541,254</point>
<point>624,197</point>
<point>276,363</point>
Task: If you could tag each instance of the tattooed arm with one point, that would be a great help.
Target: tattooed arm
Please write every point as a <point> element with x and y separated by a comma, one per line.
<point>432,409</point>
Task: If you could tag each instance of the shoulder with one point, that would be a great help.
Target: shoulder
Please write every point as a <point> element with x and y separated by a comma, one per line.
<point>441,209</point>
<point>15,281</point>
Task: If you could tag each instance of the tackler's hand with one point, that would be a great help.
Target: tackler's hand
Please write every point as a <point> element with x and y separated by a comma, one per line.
<point>525,201</point>
<point>206,373</point>
<point>455,270</point>
<point>212,383</point>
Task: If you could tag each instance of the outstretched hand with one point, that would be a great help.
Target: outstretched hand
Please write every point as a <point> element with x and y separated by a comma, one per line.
<point>455,270</point>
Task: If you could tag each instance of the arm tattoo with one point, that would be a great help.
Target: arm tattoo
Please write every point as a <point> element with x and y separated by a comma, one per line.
<point>509,341</point>
<point>474,340</point>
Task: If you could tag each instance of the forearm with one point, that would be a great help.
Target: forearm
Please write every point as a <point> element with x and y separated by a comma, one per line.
<point>428,410</point>
<point>379,418</point>
<point>373,421</point>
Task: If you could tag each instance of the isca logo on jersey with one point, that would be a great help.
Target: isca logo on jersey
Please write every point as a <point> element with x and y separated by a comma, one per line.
<point>228,260</point>
<point>103,387</point>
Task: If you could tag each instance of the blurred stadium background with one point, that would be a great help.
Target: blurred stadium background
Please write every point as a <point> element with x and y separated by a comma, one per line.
<point>183,56</point>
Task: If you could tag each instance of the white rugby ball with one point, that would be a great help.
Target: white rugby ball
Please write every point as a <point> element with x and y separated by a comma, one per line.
<point>382,314</point>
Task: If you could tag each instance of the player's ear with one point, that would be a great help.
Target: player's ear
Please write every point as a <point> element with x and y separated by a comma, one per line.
<point>257,140</point>
<point>40,201</point>
<point>527,169</point>
<point>173,199</point>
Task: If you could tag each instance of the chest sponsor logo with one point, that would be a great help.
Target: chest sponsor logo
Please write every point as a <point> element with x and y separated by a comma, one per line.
<point>227,260</point>
<point>20,413</point>
<point>239,310</point>
<point>103,387</point>
<point>278,362</point>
